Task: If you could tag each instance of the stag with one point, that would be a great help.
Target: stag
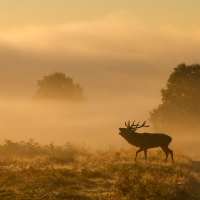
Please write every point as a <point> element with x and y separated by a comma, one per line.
<point>145,140</point>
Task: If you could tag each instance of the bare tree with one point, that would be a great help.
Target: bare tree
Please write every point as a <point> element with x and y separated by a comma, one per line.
<point>145,140</point>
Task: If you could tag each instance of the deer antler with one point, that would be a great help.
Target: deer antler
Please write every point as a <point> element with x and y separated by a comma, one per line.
<point>134,126</point>
<point>128,124</point>
<point>143,125</point>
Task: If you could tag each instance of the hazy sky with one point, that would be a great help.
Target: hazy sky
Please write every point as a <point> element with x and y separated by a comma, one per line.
<point>182,13</point>
<point>120,52</point>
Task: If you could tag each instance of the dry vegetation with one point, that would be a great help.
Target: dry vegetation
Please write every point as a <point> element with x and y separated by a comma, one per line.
<point>32,171</point>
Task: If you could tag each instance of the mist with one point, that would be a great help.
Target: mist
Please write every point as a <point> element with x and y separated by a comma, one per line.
<point>94,122</point>
<point>121,63</point>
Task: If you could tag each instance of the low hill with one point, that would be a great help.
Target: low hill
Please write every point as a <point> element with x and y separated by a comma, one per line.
<point>29,170</point>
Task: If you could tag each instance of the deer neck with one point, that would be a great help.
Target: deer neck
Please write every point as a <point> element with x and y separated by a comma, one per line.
<point>134,138</point>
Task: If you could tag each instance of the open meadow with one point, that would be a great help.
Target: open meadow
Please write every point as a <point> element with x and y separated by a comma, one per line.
<point>29,170</point>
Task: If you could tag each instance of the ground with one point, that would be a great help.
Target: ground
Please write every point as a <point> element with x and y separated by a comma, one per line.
<point>196,168</point>
<point>32,171</point>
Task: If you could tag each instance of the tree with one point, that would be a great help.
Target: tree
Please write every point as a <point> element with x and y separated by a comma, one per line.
<point>180,108</point>
<point>58,86</point>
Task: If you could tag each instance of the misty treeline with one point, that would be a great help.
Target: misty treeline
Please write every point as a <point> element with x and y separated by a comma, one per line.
<point>179,111</point>
<point>57,86</point>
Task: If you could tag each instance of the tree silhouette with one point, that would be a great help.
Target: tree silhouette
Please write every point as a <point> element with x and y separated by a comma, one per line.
<point>180,108</point>
<point>58,86</point>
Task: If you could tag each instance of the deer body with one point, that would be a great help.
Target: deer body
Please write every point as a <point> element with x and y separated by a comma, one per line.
<point>146,140</point>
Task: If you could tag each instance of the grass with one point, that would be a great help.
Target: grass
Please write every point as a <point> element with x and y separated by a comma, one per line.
<point>29,170</point>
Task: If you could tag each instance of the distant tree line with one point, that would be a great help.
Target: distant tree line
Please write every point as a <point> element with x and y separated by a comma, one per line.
<point>179,111</point>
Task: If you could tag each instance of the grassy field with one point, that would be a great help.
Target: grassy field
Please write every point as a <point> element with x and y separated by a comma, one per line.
<point>32,171</point>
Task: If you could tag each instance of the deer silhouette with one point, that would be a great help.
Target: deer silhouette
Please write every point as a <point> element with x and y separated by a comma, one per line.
<point>145,140</point>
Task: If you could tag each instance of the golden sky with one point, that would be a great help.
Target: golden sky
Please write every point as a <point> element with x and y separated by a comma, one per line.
<point>23,12</point>
<point>120,52</point>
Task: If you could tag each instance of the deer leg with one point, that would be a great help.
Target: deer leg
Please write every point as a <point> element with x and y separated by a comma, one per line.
<point>138,151</point>
<point>168,151</point>
<point>171,153</point>
<point>145,154</point>
<point>165,149</point>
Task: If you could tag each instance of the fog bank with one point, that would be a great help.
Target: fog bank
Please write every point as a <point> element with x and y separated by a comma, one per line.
<point>121,62</point>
